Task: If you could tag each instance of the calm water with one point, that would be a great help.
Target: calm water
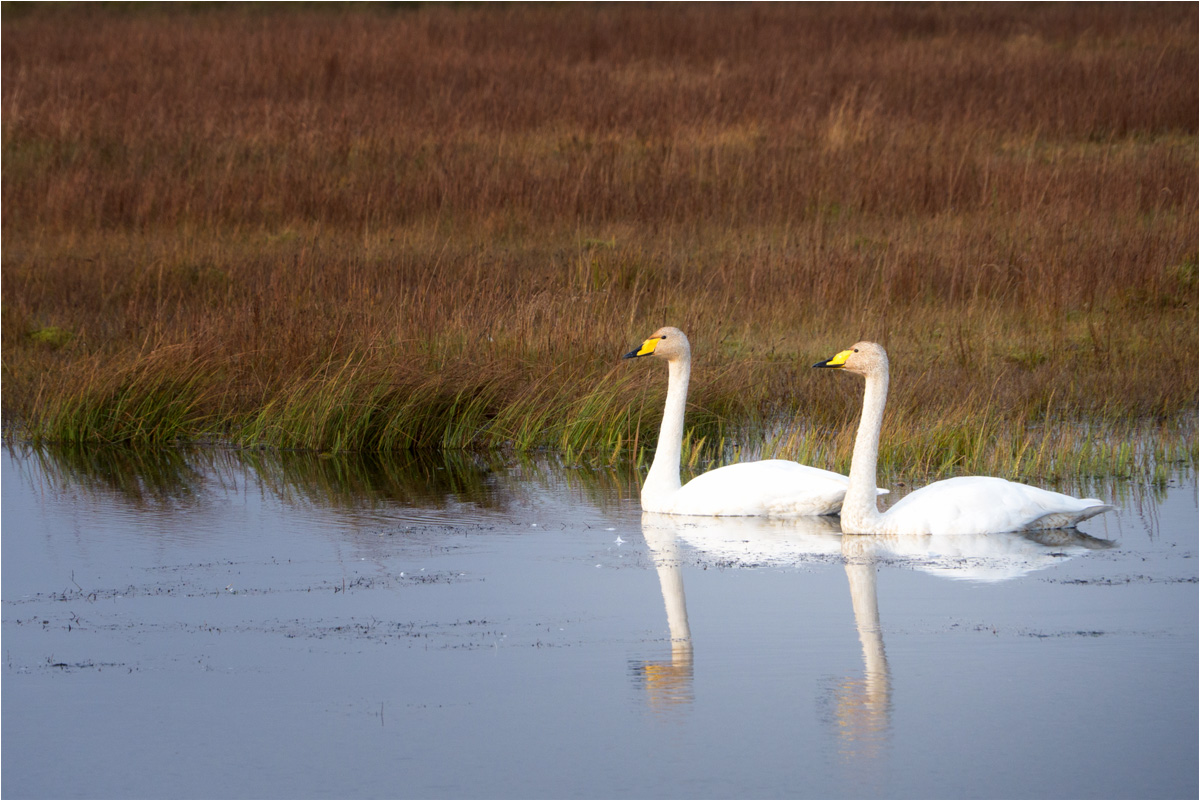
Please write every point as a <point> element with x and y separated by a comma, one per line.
<point>215,624</point>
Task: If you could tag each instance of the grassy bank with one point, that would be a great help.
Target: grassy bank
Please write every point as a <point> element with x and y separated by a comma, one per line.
<point>441,226</point>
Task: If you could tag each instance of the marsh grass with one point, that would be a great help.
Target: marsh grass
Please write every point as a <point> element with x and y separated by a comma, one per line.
<point>1057,451</point>
<point>440,227</point>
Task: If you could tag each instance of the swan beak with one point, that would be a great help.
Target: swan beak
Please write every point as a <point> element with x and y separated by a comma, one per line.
<point>837,361</point>
<point>645,350</point>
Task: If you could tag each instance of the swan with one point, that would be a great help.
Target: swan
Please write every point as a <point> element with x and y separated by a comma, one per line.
<point>964,505</point>
<point>770,487</point>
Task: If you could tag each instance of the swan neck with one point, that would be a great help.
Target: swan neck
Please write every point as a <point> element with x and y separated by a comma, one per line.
<point>860,509</point>
<point>664,470</point>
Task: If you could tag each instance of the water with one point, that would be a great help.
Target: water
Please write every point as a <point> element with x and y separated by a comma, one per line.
<point>216,624</point>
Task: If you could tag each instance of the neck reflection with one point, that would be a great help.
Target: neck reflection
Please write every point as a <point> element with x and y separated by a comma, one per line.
<point>668,683</point>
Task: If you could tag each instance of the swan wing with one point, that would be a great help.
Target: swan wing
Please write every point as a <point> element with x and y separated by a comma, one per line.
<point>986,505</point>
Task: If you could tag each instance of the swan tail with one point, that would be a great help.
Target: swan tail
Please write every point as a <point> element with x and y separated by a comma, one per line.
<point>1070,519</point>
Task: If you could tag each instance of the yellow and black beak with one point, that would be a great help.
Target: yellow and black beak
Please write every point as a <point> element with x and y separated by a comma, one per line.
<point>837,361</point>
<point>646,349</point>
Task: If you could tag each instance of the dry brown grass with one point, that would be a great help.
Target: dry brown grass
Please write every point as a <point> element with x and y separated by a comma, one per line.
<point>341,229</point>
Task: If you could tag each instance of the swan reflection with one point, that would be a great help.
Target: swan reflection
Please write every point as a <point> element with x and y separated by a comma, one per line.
<point>981,557</point>
<point>862,707</point>
<point>668,683</point>
<point>859,705</point>
<point>732,541</point>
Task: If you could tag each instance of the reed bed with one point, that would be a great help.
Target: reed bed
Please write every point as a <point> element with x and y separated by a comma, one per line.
<point>381,228</point>
<point>153,477</point>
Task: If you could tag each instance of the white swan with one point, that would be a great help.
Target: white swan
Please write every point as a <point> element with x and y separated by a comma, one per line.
<point>965,505</point>
<point>769,487</point>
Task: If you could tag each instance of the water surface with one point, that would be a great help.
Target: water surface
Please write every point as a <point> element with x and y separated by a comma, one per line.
<point>217,623</point>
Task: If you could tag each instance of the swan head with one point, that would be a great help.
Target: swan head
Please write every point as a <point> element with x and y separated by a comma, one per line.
<point>863,358</point>
<point>666,343</point>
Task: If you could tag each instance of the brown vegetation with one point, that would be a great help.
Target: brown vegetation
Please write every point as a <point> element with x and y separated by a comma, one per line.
<point>387,227</point>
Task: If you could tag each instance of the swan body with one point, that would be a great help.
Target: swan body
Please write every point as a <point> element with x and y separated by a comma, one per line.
<point>965,505</point>
<point>982,505</point>
<point>774,487</point>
